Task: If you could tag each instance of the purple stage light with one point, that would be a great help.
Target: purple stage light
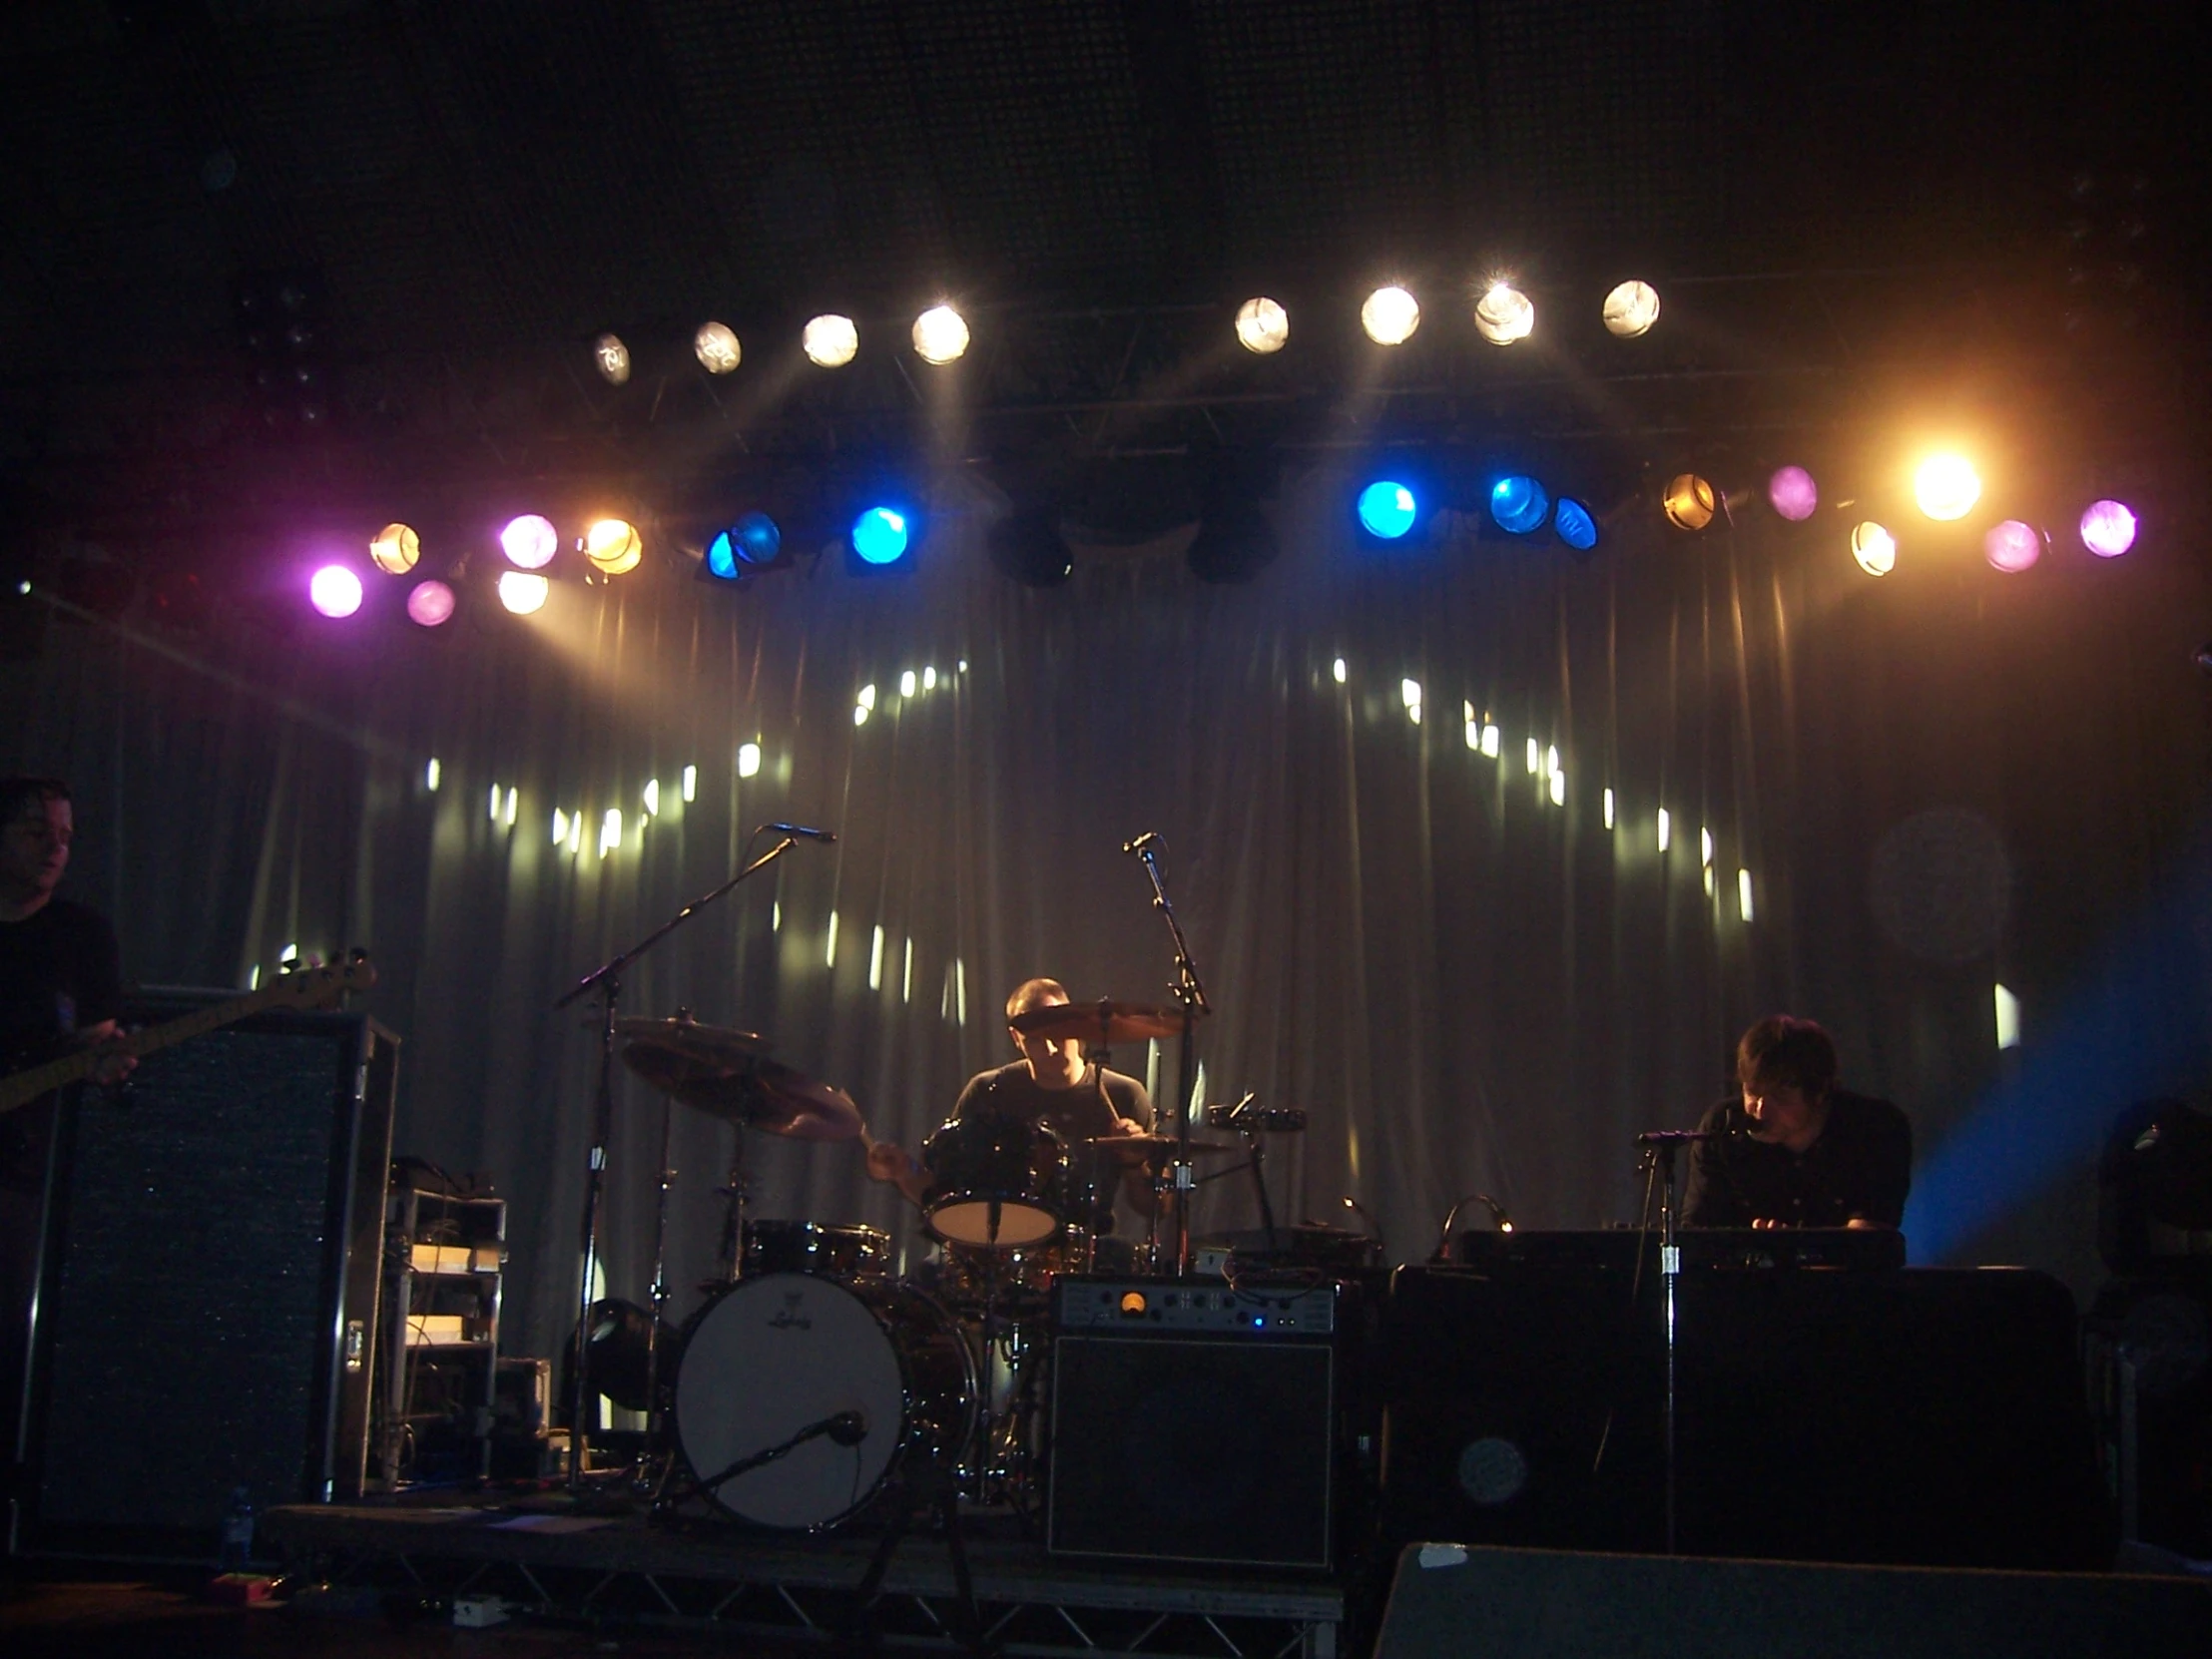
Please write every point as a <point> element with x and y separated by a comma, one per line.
<point>430,604</point>
<point>2108,529</point>
<point>1794,494</point>
<point>2012,546</point>
<point>336,591</point>
<point>530,541</point>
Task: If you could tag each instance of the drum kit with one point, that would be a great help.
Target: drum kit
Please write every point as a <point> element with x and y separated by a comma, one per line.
<point>812,1383</point>
<point>811,1378</point>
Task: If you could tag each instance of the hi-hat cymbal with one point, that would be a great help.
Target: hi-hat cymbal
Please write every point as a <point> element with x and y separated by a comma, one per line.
<point>1104,1022</point>
<point>1144,1149</point>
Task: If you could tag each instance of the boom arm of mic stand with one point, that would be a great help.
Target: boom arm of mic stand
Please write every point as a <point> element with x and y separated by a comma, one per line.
<point>1191,993</point>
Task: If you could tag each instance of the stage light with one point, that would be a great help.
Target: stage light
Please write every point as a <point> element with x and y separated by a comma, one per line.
<point>941,334</point>
<point>611,359</point>
<point>753,541</point>
<point>530,541</point>
<point>1793,494</point>
<point>830,340</point>
<point>1518,504</point>
<point>395,550</point>
<point>522,592</point>
<point>1632,309</point>
<point>1389,317</point>
<point>2108,529</point>
<point>1574,524</point>
<point>1262,326</point>
<point>1388,509</point>
<point>1689,502</point>
<point>880,536</point>
<point>430,604</point>
<point>613,546</point>
<point>716,348</point>
<point>334,591</point>
<point>2012,546</point>
<point>1875,548</point>
<point>1946,487</point>
<point>1504,314</point>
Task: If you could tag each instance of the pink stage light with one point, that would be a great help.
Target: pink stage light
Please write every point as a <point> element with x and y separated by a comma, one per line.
<point>2012,546</point>
<point>2108,529</point>
<point>334,591</point>
<point>530,541</point>
<point>1794,494</point>
<point>430,604</point>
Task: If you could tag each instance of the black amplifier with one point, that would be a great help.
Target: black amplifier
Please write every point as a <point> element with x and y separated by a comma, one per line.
<point>1131,1307</point>
<point>1194,1422</point>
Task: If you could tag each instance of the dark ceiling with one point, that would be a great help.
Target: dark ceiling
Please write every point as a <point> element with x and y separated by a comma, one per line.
<point>476,189</point>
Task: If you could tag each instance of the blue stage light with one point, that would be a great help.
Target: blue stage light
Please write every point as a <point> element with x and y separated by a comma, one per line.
<point>880,536</point>
<point>1575,527</point>
<point>1388,509</point>
<point>1518,504</point>
<point>752,540</point>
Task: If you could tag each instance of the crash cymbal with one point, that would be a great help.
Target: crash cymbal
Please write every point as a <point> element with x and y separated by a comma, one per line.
<point>687,1036</point>
<point>756,1093</point>
<point>1140,1149</point>
<point>1104,1022</point>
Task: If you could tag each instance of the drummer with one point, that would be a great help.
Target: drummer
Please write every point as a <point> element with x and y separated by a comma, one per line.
<point>1052,1082</point>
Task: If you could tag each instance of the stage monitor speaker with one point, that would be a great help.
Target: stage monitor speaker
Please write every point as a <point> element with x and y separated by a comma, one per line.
<point>1451,1599</point>
<point>1196,1448</point>
<point>209,1281</point>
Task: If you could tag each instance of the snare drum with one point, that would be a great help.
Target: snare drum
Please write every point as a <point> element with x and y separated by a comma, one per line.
<point>996,1182</point>
<point>815,1247</point>
<point>772,1360</point>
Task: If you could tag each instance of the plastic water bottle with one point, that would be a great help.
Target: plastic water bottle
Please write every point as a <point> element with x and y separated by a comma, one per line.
<point>238,1531</point>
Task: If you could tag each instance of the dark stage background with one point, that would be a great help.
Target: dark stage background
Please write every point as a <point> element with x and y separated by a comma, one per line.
<point>1939,781</point>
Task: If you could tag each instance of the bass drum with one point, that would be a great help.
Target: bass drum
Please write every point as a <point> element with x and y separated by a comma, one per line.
<point>774,1355</point>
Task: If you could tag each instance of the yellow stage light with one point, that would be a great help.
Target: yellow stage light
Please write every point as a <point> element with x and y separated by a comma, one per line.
<point>830,340</point>
<point>395,550</point>
<point>1262,326</point>
<point>1690,502</point>
<point>523,592</point>
<point>1389,317</point>
<point>1504,314</point>
<point>715,346</point>
<point>1875,548</point>
<point>940,336</point>
<point>1946,486</point>
<point>613,359</point>
<point>1631,309</point>
<point>613,546</point>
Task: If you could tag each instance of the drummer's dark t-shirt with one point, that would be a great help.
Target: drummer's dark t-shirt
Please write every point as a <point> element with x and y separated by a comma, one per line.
<point>1075,1114</point>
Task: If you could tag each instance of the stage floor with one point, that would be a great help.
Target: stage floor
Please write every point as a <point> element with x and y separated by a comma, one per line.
<point>551,1557</point>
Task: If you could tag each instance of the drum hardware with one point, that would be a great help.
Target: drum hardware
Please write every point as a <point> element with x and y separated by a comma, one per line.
<point>837,1250</point>
<point>1191,1004</point>
<point>606,980</point>
<point>1251,1121</point>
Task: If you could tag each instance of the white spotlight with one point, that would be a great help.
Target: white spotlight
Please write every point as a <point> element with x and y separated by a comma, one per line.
<point>1504,314</point>
<point>941,334</point>
<point>1389,317</point>
<point>523,592</point>
<point>1631,309</point>
<point>715,346</point>
<point>611,359</point>
<point>830,340</point>
<point>1262,326</point>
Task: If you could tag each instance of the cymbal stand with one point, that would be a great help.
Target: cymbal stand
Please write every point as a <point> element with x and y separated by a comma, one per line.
<point>607,981</point>
<point>1190,992</point>
<point>1249,1127</point>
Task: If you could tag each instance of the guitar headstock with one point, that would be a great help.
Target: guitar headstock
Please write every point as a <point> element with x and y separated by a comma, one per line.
<point>314,987</point>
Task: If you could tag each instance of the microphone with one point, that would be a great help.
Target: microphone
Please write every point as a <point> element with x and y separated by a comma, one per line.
<point>1141,843</point>
<point>846,1427</point>
<point>803,832</point>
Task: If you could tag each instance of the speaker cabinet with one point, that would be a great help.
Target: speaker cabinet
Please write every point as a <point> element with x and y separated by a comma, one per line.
<point>1448,1600</point>
<point>209,1282</point>
<point>1196,1448</point>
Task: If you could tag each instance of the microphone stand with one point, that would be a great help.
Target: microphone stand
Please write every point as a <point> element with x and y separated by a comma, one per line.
<point>1190,993</point>
<point>607,978</point>
<point>1660,1146</point>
